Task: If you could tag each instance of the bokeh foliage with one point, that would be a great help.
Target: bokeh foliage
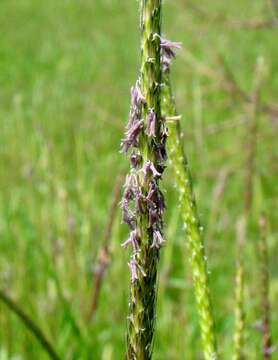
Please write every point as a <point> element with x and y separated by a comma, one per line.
<point>66,68</point>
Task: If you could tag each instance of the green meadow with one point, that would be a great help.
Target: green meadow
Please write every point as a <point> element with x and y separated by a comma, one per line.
<point>66,68</point>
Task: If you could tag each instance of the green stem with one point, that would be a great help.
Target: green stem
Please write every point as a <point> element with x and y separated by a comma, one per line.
<point>252,132</point>
<point>191,222</point>
<point>239,313</point>
<point>239,292</point>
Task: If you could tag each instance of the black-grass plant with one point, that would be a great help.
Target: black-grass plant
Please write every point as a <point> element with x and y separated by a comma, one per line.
<point>152,106</point>
<point>143,202</point>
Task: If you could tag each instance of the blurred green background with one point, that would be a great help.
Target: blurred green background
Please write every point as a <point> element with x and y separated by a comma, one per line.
<point>66,68</point>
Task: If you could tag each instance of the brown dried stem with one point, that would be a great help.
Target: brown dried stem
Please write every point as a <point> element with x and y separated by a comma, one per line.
<point>103,255</point>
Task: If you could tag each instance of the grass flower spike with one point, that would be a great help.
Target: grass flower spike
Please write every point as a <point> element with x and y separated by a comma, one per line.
<point>191,222</point>
<point>143,203</point>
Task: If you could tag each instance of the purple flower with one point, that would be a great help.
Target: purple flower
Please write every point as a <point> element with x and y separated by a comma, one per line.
<point>154,216</point>
<point>168,44</point>
<point>130,187</point>
<point>158,240</point>
<point>160,202</point>
<point>165,62</point>
<point>132,240</point>
<point>151,123</point>
<point>161,152</point>
<point>152,194</point>
<point>135,123</point>
<point>140,201</point>
<point>131,138</point>
<point>128,194</point>
<point>155,197</point>
<point>137,97</point>
<point>135,160</point>
<point>128,216</point>
<point>134,267</point>
<point>149,169</point>
<point>168,53</point>
<point>131,181</point>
